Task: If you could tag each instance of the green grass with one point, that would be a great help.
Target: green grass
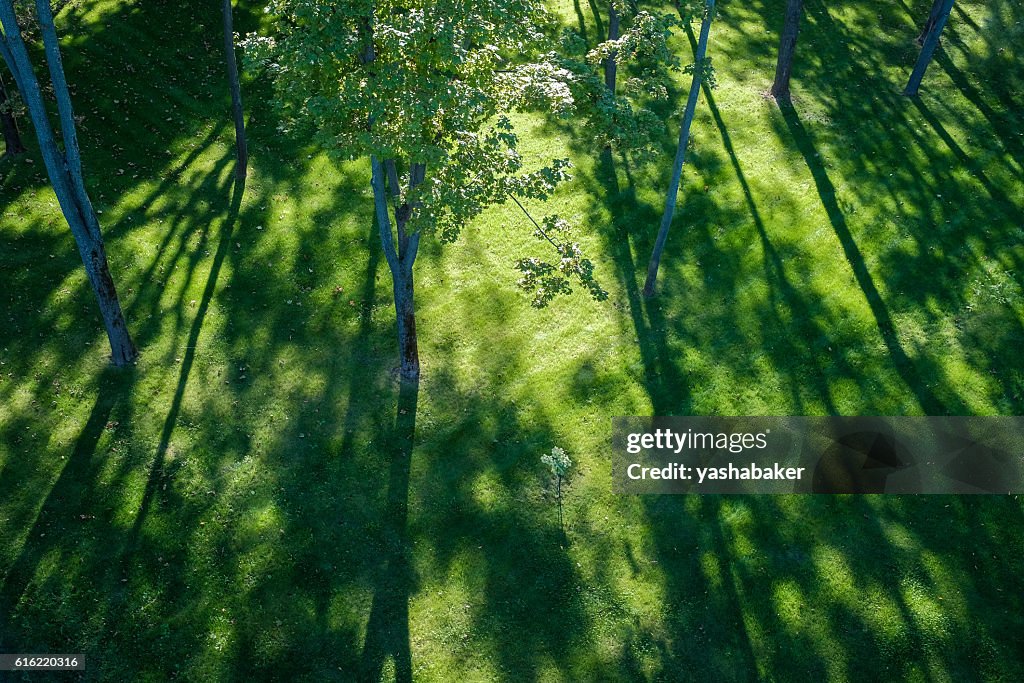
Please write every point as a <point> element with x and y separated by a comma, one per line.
<point>247,503</point>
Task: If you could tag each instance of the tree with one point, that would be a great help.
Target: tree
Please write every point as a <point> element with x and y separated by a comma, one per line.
<point>701,69</point>
<point>931,41</point>
<point>64,167</point>
<point>787,48</point>
<point>933,16</point>
<point>615,116</point>
<point>610,63</point>
<point>424,89</point>
<point>12,138</point>
<point>236,92</point>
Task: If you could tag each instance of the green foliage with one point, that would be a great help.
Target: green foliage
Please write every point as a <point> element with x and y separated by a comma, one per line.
<point>622,119</point>
<point>545,279</point>
<point>707,72</point>
<point>429,83</point>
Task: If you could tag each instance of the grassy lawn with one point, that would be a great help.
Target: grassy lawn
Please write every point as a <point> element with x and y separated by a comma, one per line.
<point>257,500</point>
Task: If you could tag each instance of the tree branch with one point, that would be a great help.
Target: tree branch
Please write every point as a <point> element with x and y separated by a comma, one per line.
<point>541,230</point>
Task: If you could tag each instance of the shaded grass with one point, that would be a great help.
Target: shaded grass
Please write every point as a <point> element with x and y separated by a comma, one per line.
<point>259,499</point>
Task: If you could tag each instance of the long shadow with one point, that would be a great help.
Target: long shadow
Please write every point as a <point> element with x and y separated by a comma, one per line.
<point>665,384</point>
<point>387,631</point>
<point>368,295</point>
<point>1013,147</point>
<point>776,273</point>
<point>156,470</point>
<point>994,191</point>
<point>928,401</point>
<point>72,486</point>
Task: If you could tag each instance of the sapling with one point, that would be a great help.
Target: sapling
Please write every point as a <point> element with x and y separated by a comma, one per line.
<point>559,463</point>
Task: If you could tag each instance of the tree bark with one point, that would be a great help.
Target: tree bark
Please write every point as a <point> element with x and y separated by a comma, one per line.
<point>236,92</point>
<point>12,138</point>
<point>931,41</point>
<point>611,67</point>
<point>933,16</point>
<point>400,262</point>
<point>684,139</point>
<point>64,167</point>
<point>405,311</point>
<point>787,48</point>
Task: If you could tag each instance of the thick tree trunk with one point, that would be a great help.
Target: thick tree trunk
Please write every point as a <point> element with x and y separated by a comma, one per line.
<point>787,48</point>
<point>610,65</point>
<point>405,311</point>
<point>684,139</point>
<point>931,41</point>
<point>236,92</point>
<point>12,138</point>
<point>933,16</point>
<point>64,167</point>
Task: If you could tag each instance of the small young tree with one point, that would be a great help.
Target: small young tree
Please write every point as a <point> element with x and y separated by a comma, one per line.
<point>559,463</point>
<point>424,90</point>
<point>931,41</point>
<point>787,49</point>
<point>238,114</point>
<point>64,166</point>
<point>701,69</point>
<point>12,137</point>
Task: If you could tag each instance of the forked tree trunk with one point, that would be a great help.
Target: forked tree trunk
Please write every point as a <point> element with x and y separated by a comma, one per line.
<point>12,138</point>
<point>64,167</point>
<point>611,67</point>
<point>684,139</point>
<point>400,262</point>
<point>236,92</point>
<point>787,48</point>
<point>931,41</point>
<point>933,16</point>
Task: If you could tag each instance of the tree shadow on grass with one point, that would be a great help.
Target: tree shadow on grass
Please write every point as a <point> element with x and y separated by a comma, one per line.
<point>71,491</point>
<point>387,631</point>
<point>805,331</point>
<point>918,383</point>
<point>156,473</point>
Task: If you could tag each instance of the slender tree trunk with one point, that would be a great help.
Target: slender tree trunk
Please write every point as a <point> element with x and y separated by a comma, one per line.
<point>12,138</point>
<point>610,65</point>
<point>931,41</point>
<point>64,167</point>
<point>236,92</point>
<point>684,139</point>
<point>787,48</point>
<point>933,16</point>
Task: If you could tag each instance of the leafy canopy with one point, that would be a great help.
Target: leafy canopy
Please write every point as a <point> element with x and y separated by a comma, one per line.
<point>429,82</point>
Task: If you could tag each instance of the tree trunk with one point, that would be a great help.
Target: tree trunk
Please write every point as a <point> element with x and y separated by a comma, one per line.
<point>684,139</point>
<point>610,65</point>
<point>400,262</point>
<point>12,138</point>
<point>933,16</point>
<point>787,48</point>
<point>931,41</point>
<point>64,167</point>
<point>405,312</point>
<point>236,92</point>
